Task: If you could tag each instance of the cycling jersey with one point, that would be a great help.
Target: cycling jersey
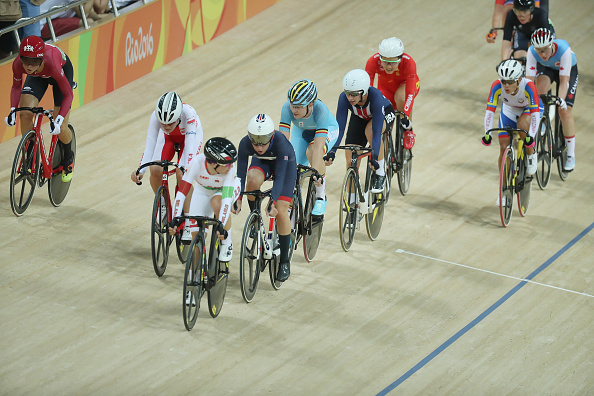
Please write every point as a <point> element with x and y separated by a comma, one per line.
<point>562,60</point>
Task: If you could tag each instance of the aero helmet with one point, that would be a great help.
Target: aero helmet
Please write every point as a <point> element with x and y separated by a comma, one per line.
<point>302,93</point>
<point>32,47</point>
<point>510,69</point>
<point>261,129</point>
<point>391,48</point>
<point>524,5</point>
<point>356,81</point>
<point>168,108</point>
<point>220,150</point>
<point>542,38</point>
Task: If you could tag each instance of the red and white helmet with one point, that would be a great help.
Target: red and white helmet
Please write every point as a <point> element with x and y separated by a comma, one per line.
<point>542,38</point>
<point>32,47</point>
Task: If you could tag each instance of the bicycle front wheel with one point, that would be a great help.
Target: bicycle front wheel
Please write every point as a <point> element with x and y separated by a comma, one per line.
<point>160,238</point>
<point>312,229</point>
<point>251,257</point>
<point>349,204</point>
<point>193,282</point>
<point>523,187</point>
<point>25,174</point>
<point>544,150</point>
<point>561,151</point>
<point>389,162</point>
<point>56,188</point>
<point>506,186</point>
<point>405,173</point>
<point>218,275</point>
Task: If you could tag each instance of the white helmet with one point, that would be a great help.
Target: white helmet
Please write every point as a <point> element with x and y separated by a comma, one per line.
<point>542,38</point>
<point>168,108</point>
<point>391,48</point>
<point>261,129</point>
<point>510,69</point>
<point>356,81</point>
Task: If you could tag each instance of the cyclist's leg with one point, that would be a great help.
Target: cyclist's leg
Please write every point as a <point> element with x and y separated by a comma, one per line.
<point>26,117</point>
<point>225,199</point>
<point>164,150</point>
<point>258,172</point>
<point>299,142</point>
<point>566,116</point>
<point>283,221</point>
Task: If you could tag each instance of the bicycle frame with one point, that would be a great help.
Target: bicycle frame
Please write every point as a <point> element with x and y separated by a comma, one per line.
<point>366,152</point>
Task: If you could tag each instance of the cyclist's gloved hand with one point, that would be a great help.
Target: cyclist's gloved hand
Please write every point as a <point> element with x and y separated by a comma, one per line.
<point>486,140</point>
<point>406,124</point>
<point>491,36</point>
<point>329,156</point>
<point>57,125</point>
<point>222,231</point>
<point>11,119</point>
<point>529,141</point>
<point>176,221</point>
<point>374,164</point>
<point>562,104</point>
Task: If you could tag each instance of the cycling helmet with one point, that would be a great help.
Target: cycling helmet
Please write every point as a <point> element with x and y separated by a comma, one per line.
<point>542,38</point>
<point>261,129</point>
<point>220,150</point>
<point>524,5</point>
<point>302,93</point>
<point>391,48</point>
<point>357,82</point>
<point>32,47</point>
<point>168,108</point>
<point>510,69</point>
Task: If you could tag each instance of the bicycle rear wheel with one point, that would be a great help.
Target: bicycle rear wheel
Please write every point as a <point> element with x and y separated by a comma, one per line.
<point>251,257</point>
<point>193,282</point>
<point>218,275</point>
<point>160,238</point>
<point>389,162</point>
<point>506,188</point>
<point>56,188</point>
<point>544,150</point>
<point>560,150</point>
<point>375,216</point>
<point>349,204</point>
<point>25,173</point>
<point>312,229</point>
<point>405,173</point>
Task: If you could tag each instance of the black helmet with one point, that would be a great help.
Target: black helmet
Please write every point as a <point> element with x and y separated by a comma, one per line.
<point>220,150</point>
<point>524,5</point>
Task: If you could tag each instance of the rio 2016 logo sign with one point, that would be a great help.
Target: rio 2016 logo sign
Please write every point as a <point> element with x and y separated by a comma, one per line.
<point>140,48</point>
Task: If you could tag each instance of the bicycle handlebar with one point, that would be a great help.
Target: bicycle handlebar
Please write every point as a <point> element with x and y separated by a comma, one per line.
<point>505,130</point>
<point>549,99</point>
<point>162,164</point>
<point>353,148</point>
<point>303,169</point>
<point>259,195</point>
<point>36,110</point>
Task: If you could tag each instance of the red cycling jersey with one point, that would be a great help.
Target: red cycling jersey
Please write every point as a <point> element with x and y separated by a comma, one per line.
<point>389,83</point>
<point>53,61</point>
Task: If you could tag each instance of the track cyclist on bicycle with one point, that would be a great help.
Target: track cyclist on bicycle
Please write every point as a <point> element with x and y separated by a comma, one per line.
<point>372,114</point>
<point>314,131</point>
<point>521,22</point>
<point>502,7</point>
<point>273,155</point>
<point>44,65</point>
<point>217,188</point>
<point>397,79</point>
<point>519,109</point>
<point>549,60</point>
<point>172,122</point>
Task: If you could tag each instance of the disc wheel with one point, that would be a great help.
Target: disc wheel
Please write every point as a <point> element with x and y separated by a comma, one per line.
<point>347,215</point>
<point>193,282</point>
<point>405,173</point>
<point>25,173</point>
<point>312,229</point>
<point>389,162</point>
<point>506,188</point>
<point>375,217</point>
<point>218,275</point>
<point>251,258</point>
<point>544,150</point>
<point>57,189</point>
<point>160,238</point>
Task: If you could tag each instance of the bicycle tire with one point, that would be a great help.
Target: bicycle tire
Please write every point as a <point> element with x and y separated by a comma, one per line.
<point>506,189</point>
<point>56,188</point>
<point>274,262</point>
<point>312,229</point>
<point>374,217</point>
<point>404,161</point>
<point>24,174</point>
<point>193,283</point>
<point>560,149</point>
<point>218,275</point>
<point>160,238</point>
<point>251,257</point>
<point>544,150</point>
<point>347,215</point>
<point>389,162</point>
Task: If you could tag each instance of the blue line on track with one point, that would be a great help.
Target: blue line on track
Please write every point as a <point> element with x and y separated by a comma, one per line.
<point>482,316</point>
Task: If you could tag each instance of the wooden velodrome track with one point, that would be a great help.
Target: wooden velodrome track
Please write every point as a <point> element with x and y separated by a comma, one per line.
<point>446,301</point>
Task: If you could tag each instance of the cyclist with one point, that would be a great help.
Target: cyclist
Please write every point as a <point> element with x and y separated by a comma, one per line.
<point>215,191</point>
<point>502,7</point>
<point>372,114</point>
<point>519,110</point>
<point>172,123</point>
<point>522,21</point>
<point>44,65</point>
<point>549,60</point>
<point>314,130</point>
<point>397,79</point>
<point>273,155</point>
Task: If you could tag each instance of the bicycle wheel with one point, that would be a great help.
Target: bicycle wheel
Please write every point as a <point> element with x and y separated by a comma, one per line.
<point>251,257</point>
<point>389,162</point>
<point>273,263</point>
<point>375,215</point>
<point>523,187</point>
<point>25,173</point>
<point>349,204</point>
<point>218,275</point>
<point>312,229</point>
<point>56,188</point>
<point>405,173</point>
<point>160,238</point>
<point>560,150</point>
<point>193,282</point>
<point>506,188</point>
<point>544,150</point>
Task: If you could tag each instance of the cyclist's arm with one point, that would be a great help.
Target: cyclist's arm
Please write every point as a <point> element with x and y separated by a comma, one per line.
<point>492,104</point>
<point>186,184</point>
<point>565,72</point>
<point>371,68</point>
<point>377,122</point>
<point>244,151</point>
<point>152,134</point>
<point>227,195</point>
<point>17,82</point>
<point>58,74</point>
<point>412,80</point>
<point>531,64</point>
<point>285,122</point>
<point>533,101</point>
<point>341,117</point>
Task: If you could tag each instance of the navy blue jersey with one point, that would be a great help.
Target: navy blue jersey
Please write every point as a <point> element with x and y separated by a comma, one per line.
<point>540,19</point>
